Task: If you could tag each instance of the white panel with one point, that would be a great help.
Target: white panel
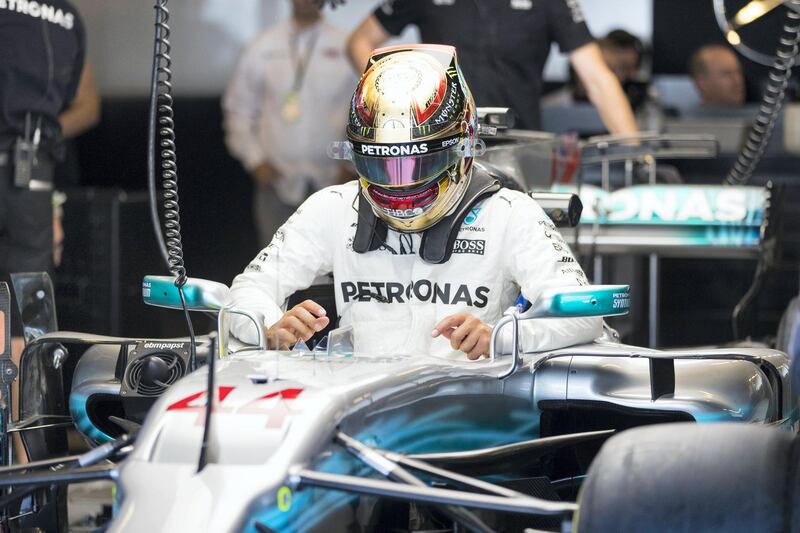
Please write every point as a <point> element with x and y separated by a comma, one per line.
<point>207,37</point>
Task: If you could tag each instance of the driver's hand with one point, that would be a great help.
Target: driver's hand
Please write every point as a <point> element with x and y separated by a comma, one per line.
<point>466,333</point>
<point>298,323</point>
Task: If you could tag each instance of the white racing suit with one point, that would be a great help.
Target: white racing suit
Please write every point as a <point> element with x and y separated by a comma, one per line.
<point>393,298</point>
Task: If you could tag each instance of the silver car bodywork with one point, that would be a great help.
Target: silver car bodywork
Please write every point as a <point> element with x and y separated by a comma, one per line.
<point>278,412</point>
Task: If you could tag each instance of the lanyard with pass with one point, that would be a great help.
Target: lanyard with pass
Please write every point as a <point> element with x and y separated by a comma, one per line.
<point>291,104</point>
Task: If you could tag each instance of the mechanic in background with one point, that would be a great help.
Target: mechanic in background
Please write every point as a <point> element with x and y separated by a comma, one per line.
<point>46,94</point>
<point>503,46</point>
<point>286,101</point>
<point>426,249</point>
<point>623,52</point>
<point>717,76</point>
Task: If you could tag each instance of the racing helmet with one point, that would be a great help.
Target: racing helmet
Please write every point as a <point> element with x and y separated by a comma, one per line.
<point>412,135</point>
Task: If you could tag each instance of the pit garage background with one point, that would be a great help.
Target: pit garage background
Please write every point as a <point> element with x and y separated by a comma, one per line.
<point>110,244</point>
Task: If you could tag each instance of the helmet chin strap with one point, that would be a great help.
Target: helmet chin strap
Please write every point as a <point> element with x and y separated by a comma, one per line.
<point>438,240</point>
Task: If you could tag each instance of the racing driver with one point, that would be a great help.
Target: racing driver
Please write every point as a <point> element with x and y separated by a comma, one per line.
<point>426,249</point>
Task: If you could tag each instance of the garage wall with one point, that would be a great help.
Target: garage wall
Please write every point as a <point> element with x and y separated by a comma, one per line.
<point>207,36</point>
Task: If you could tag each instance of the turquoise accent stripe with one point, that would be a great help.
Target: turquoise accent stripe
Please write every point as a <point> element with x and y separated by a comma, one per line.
<point>162,292</point>
<point>448,429</point>
<point>77,407</point>
<point>592,300</point>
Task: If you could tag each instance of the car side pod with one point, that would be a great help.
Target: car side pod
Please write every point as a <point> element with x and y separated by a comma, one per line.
<point>562,302</point>
<point>200,295</point>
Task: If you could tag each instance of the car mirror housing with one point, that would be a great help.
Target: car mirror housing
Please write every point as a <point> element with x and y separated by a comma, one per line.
<point>582,301</point>
<point>200,294</point>
<point>561,302</point>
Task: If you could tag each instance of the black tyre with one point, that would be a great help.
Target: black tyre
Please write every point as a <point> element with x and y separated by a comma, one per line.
<point>693,478</point>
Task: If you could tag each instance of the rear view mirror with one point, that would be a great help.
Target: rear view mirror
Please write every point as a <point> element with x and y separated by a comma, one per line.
<point>587,300</point>
<point>496,118</point>
<point>562,302</point>
<point>200,294</point>
<point>563,208</point>
<point>36,303</point>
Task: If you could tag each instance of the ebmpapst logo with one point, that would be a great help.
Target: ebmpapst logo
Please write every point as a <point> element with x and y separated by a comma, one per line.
<point>164,345</point>
<point>472,216</point>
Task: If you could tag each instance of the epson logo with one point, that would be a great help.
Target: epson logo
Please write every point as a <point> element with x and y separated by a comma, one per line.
<point>449,142</point>
<point>394,150</point>
<point>164,345</point>
<point>469,246</point>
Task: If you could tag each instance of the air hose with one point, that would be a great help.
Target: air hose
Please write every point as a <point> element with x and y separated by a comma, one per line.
<point>758,140</point>
<point>161,114</point>
<point>772,102</point>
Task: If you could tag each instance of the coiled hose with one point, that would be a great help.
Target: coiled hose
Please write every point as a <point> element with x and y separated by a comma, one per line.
<point>772,102</point>
<point>161,113</point>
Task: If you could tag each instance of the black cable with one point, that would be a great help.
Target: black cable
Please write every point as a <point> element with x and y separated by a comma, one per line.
<point>192,343</point>
<point>772,102</point>
<point>161,113</point>
<point>769,245</point>
<point>748,298</point>
<point>209,409</point>
<point>151,145</point>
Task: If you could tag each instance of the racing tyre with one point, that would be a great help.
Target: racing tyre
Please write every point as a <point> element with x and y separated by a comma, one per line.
<point>691,478</point>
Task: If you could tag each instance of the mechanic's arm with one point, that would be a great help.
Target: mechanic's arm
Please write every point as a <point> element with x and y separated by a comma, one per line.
<point>603,89</point>
<point>83,112</point>
<point>539,261</point>
<point>299,252</point>
<point>369,35</point>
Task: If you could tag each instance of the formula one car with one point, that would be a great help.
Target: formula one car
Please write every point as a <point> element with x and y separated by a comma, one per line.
<point>333,440</point>
<point>330,439</point>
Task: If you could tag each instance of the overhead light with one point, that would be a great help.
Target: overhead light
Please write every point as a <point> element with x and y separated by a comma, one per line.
<point>753,11</point>
<point>733,38</point>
